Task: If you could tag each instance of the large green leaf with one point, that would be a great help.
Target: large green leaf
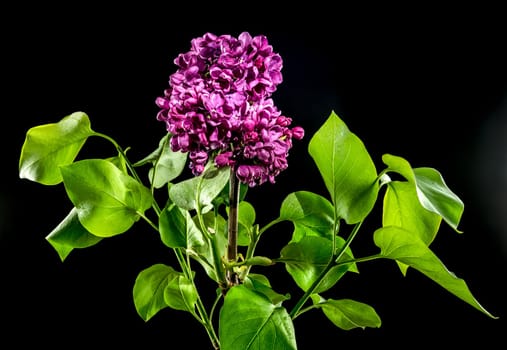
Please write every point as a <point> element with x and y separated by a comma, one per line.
<point>178,229</point>
<point>49,146</point>
<point>346,168</point>
<point>150,288</point>
<point>401,245</point>
<point>108,202</point>
<point>167,165</point>
<point>70,234</point>
<point>310,214</point>
<point>347,313</point>
<point>248,320</point>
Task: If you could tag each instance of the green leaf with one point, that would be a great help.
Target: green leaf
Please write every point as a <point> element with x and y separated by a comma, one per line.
<point>307,259</point>
<point>432,192</point>
<point>246,220</point>
<point>223,196</point>
<point>399,165</point>
<point>403,209</point>
<point>348,314</point>
<point>246,214</point>
<point>149,289</point>
<point>49,146</point>
<point>70,234</point>
<point>261,284</point>
<point>401,245</point>
<point>435,196</point>
<point>258,260</point>
<point>248,320</point>
<point>208,185</point>
<point>310,213</point>
<point>180,294</point>
<point>167,165</point>
<point>346,168</point>
<point>178,230</point>
<point>217,226</point>
<point>108,202</point>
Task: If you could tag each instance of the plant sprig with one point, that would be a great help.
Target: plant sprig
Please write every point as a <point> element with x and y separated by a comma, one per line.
<point>109,197</point>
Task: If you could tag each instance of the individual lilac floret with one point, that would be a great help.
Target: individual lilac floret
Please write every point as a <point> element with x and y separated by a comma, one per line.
<point>218,106</point>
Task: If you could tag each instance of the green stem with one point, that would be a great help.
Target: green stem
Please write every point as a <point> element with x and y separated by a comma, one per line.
<point>251,250</point>
<point>148,221</point>
<point>203,315</point>
<point>268,225</point>
<point>122,152</point>
<point>232,237</point>
<point>332,262</point>
<point>211,237</point>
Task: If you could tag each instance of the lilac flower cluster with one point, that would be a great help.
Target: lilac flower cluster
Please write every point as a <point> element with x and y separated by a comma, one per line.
<point>218,106</point>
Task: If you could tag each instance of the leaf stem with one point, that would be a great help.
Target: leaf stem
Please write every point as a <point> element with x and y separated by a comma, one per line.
<point>122,152</point>
<point>269,224</point>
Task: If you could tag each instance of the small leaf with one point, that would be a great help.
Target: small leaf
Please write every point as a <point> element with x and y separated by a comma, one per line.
<point>149,289</point>
<point>435,196</point>
<point>70,234</point>
<point>346,168</point>
<point>246,220</point>
<point>348,314</point>
<point>217,225</point>
<point>399,165</point>
<point>261,284</point>
<point>178,230</point>
<point>246,214</point>
<point>108,202</point>
<point>310,214</point>
<point>49,146</point>
<point>155,155</point>
<point>167,165</point>
<point>306,260</point>
<point>223,196</point>
<point>180,294</point>
<point>248,320</point>
<point>433,193</point>
<point>258,260</point>
<point>208,185</point>
<point>401,245</point>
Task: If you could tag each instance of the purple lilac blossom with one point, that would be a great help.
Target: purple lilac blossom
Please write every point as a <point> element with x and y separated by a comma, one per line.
<point>218,106</point>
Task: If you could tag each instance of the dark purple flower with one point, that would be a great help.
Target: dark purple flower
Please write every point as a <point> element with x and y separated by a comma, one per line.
<point>218,106</point>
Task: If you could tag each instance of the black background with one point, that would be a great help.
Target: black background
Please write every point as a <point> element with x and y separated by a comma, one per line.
<point>427,84</point>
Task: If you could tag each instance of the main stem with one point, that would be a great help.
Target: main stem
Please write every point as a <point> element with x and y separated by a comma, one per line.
<point>232,238</point>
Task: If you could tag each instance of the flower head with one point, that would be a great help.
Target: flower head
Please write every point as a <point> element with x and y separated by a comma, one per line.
<point>218,106</point>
